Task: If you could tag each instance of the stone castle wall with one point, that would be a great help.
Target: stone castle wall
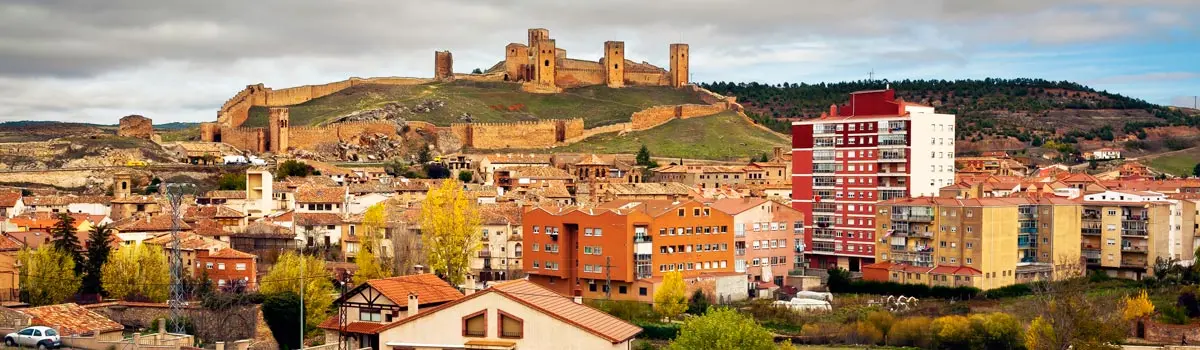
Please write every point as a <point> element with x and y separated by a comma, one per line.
<point>249,139</point>
<point>236,110</point>
<point>530,134</point>
<point>578,77</point>
<point>647,78</point>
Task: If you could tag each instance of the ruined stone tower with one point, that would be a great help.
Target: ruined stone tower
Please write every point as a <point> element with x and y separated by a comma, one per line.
<point>210,132</point>
<point>516,62</point>
<point>443,66</point>
<point>122,185</point>
<point>614,64</point>
<point>545,61</point>
<point>679,65</point>
<point>278,126</point>
<point>536,35</point>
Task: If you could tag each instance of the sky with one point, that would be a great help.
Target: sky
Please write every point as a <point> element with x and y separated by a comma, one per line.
<point>178,61</point>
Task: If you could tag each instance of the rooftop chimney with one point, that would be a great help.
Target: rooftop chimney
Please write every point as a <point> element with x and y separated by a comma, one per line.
<point>413,306</point>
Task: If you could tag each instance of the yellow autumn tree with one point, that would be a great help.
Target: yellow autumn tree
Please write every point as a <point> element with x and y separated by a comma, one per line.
<point>670,299</point>
<point>449,231</point>
<point>47,275</point>
<point>286,276</point>
<point>370,259</point>
<point>1137,306</point>
<point>137,272</point>
<point>1040,335</point>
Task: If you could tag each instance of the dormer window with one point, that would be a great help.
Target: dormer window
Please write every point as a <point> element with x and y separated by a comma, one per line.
<point>511,326</point>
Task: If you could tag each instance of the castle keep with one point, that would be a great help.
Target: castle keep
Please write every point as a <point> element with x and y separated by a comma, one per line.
<point>539,65</point>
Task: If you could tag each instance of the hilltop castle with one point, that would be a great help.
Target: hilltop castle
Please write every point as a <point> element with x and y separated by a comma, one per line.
<point>540,66</point>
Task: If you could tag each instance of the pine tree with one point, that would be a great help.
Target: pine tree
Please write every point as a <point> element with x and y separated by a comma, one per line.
<point>65,240</point>
<point>643,156</point>
<point>98,251</point>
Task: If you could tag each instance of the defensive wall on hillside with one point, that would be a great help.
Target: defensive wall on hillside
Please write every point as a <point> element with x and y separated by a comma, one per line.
<point>303,137</point>
<point>236,110</point>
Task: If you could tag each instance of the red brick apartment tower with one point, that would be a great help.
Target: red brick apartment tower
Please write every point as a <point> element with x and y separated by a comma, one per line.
<point>871,149</point>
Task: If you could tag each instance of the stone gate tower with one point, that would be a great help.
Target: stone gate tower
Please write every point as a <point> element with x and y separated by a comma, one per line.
<point>278,134</point>
<point>536,35</point>
<point>122,185</point>
<point>443,66</point>
<point>679,65</point>
<point>614,64</point>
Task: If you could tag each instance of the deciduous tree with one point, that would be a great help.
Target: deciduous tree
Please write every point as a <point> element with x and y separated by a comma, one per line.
<point>47,275</point>
<point>137,272</point>
<point>1068,318</point>
<point>670,299</point>
<point>371,261</point>
<point>449,226</point>
<point>722,328</point>
<point>286,276</point>
<point>1137,306</point>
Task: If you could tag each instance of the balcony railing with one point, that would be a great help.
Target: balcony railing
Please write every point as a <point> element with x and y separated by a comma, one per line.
<point>821,233</point>
<point>1134,249</point>
<point>485,254</point>
<point>1135,217</point>
<point>739,252</point>
<point>912,217</point>
<point>817,248</point>
<point>641,238</point>
<point>1134,232</point>
<point>908,233</point>
<point>824,209</point>
<point>1133,264</point>
<point>1026,244</point>
<point>1091,231</point>
<point>1028,230</point>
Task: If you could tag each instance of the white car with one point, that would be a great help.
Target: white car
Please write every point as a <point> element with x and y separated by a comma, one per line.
<point>36,336</point>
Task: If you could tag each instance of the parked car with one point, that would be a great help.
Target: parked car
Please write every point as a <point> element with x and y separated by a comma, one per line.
<point>36,336</point>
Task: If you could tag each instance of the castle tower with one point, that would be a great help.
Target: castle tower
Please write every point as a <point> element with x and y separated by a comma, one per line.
<point>679,65</point>
<point>614,63</point>
<point>545,62</point>
<point>443,66</point>
<point>516,58</point>
<point>122,185</point>
<point>278,137</point>
<point>209,132</point>
<point>538,34</point>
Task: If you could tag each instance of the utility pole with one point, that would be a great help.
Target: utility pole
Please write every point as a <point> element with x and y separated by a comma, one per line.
<point>608,277</point>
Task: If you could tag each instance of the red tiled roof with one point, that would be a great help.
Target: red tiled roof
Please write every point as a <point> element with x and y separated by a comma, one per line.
<point>10,243</point>
<point>208,227</point>
<point>352,327</point>
<point>429,288</point>
<point>230,253</point>
<point>264,230</point>
<point>152,223</point>
<point>9,199</point>
<point>187,241</point>
<point>33,238</point>
<point>224,194</point>
<point>320,194</point>
<point>71,319</point>
<point>310,219</point>
<point>734,206</point>
<point>211,212</point>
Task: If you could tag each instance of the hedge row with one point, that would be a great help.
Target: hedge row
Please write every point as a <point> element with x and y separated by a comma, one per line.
<point>658,331</point>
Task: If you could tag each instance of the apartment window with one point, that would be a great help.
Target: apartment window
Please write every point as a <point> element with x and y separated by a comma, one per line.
<point>598,232</point>
<point>707,212</point>
<point>1112,242</point>
<point>475,325</point>
<point>970,245</point>
<point>220,283</point>
<point>681,212</point>
<point>970,229</point>
<point>535,230</point>
<point>240,266</point>
<point>696,211</point>
<point>535,247</point>
<point>208,265</point>
<point>370,315</point>
<point>587,232</point>
<point>1112,227</point>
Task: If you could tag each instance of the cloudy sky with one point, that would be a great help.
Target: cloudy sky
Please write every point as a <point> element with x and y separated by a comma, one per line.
<point>95,61</point>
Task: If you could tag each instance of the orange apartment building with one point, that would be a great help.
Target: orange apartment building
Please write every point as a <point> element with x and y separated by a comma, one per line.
<point>768,237</point>
<point>576,251</point>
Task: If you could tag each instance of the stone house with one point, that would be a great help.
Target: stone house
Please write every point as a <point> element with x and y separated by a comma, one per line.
<point>490,163</point>
<point>500,257</point>
<point>11,204</point>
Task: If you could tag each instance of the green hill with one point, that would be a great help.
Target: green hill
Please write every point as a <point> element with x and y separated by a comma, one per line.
<point>446,103</point>
<point>724,136</point>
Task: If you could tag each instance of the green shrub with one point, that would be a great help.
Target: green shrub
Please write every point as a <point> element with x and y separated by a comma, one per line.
<point>658,331</point>
<point>1010,291</point>
<point>1173,315</point>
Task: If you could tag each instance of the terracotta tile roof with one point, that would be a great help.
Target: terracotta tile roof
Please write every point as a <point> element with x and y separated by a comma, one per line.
<point>230,253</point>
<point>647,188</point>
<point>734,206</point>
<point>371,187</point>
<point>566,310</point>
<point>64,200</point>
<point>33,239</point>
<point>518,158</point>
<point>320,194</point>
<point>136,199</point>
<point>332,323</point>
<point>208,227</point>
<point>537,172</point>
<point>8,199</point>
<point>10,243</point>
<point>287,216</point>
<point>44,220</point>
<point>429,289</point>
<point>187,241</point>
<point>151,223</point>
<point>500,214</point>
<point>312,219</point>
<point>224,194</point>
<point>71,319</point>
<point>193,213</point>
<point>264,230</point>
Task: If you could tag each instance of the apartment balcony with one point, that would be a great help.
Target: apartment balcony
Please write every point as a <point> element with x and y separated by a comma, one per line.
<point>1027,216</point>
<point>1134,232</point>
<point>824,209</point>
<point>1133,264</point>
<point>1028,259</point>
<point>1026,244</point>
<point>1027,230</point>
<point>1090,215</point>
<point>485,254</point>
<point>893,159</point>
<point>915,234</point>
<point>824,159</point>
<point>824,184</point>
<point>890,172</point>
<point>739,234</point>
<point>822,249</point>
<point>912,217</point>
<point>823,234</point>
<point>913,258</point>
<point>739,252</point>
<point>892,186</point>
<point>642,239</point>
<point>1091,255</point>
<point>1091,231</point>
<point>1134,249</point>
<point>1133,217</point>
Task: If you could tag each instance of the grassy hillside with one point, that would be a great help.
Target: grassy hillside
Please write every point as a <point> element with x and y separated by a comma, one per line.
<point>724,136</point>
<point>446,103</point>
<point>1178,163</point>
